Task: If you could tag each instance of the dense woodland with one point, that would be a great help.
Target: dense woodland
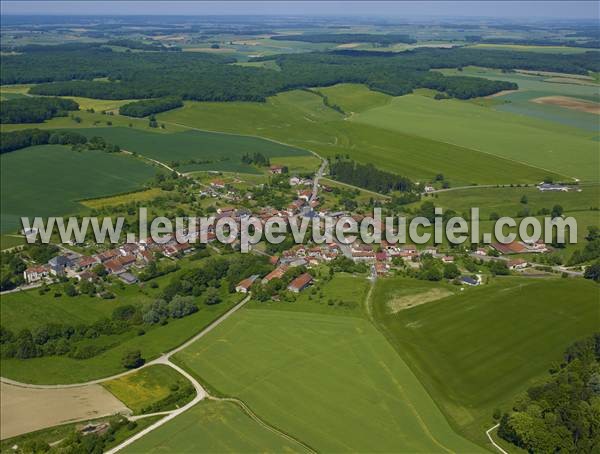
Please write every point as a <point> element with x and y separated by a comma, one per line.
<point>150,106</point>
<point>209,77</point>
<point>27,109</point>
<point>342,38</point>
<point>368,176</point>
<point>562,414</point>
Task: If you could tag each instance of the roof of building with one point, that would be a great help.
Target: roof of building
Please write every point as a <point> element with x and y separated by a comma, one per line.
<point>514,247</point>
<point>277,273</point>
<point>247,283</point>
<point>301,281</point>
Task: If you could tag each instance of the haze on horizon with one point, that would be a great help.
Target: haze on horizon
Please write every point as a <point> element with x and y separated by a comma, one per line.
<point>521,10</point>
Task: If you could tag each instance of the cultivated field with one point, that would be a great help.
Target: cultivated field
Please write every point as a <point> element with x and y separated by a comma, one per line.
<point>213,426</point>
<point>301,119</point>
<point>570,103</point>
<point>544,145</point>
<point>476,351</point>
<point>146,386</point>
<point>24,410</point>
<point>48,180</point>
<point>214,151</point>
<point>331,381</point>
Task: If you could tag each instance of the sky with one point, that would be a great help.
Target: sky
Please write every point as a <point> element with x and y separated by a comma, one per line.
<point>565,9</point>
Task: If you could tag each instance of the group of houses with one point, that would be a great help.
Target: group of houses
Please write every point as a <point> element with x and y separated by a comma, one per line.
<point>296,285</point>
<point>117,261</point>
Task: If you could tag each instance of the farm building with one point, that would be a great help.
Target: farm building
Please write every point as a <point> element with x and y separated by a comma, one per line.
<point>276,169</point>
<point>515,247</point>
<point>300,283</point>
<point>277,273</point>
<point>244,286</point>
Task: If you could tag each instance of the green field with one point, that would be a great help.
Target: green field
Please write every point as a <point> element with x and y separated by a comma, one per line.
<point>530,48</point>
<point>62,369</point>
<point>300,118</point>
<point>224,151</point>
<point>331,381</point>
<point>146,386</point>
<point>48,180</point>
<point>546,145</point>
<point>476,351</point>
<point>354,97</point>
<point>213,426</point>
<point>535,85</point>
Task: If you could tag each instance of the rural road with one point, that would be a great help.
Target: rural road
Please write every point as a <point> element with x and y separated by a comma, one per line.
<point>496,445</point>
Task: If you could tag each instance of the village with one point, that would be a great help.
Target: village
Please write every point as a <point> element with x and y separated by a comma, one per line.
<point>129,261</point>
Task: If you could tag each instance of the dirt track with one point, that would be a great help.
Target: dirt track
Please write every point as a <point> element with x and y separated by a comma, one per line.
<point>24,410</point>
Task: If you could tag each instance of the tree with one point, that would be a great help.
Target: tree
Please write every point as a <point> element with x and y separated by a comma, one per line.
<point>132,359</point>
<point>524,200</point>
<point>593,272</point>
<point>557,211</point>
<point>211,296</point>
<point>451,271</point>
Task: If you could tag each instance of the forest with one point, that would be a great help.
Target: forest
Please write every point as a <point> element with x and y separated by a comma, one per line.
<point>562,414</point>
<point>150,106</point>
<point>368,176</point>
<point>210,77</point>
<point>342,38</point>
<point>34,110</point>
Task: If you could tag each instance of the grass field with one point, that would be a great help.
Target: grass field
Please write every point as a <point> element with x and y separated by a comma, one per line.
<point>123,199</point>
<point>344,294</point>
<point>9,241</point>
<point>62,369</point>
<point>146,386</point>
<point>331,381</point>
<point>354,97</point>
<point>48,180</point>
<point>301,119</point>
<point>224,151</point>
<point>476,351</point>
<point>545,145</point>
<point>213,426</point>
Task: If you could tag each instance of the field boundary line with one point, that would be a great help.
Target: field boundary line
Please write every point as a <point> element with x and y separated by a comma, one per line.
<point>496,445</point>
<point>260,421</point>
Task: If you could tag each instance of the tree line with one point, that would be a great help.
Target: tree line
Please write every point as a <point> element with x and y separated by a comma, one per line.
<point>150,106</point>
<point>15,140</point>
<point>27,109</point>
<point>562,414</point>
<point>369,177</point>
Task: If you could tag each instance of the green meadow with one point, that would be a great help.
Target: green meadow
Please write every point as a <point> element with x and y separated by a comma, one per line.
<point>299,118</point>
<point>213,426</point>
<point>354,97</point>
<point>477,350</point>
<point>63,369</point>
<point>49,180</point>
<point>547,146</point>
<point>332,381</point>
<point>221,152</point>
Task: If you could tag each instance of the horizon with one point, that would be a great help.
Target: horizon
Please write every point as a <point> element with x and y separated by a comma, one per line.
<point>471,10</point>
